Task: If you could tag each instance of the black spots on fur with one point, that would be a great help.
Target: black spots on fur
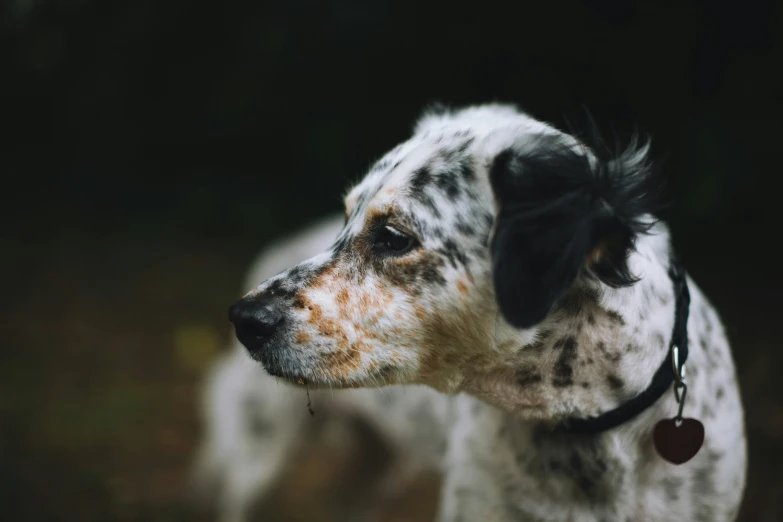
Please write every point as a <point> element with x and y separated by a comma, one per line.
<point>614,382</point>
<point>703,486</point>
<point>430,229</point>
<point>584,480</point>
<point>528,375</point>
<point>275,288</point>
<point>429,203</point>
<point>420,180</point>
<point>455,256</point>
<point>385,163</point>
<point>615,317</point>
<point>418,185</point>
<point>381,165</point>
<point>536,347</point>
<point>672,488</point>
<point>417,275</point>
<point>579,459</point>
<point>468,226</point>
<point>704,313</point>
<point>450,173</point>
<point>590,471</point>
<point>430,274</point>
<point>462,149</point>
<point>450,186</point>
<point>604,351</point>
<point>707,412</point>
<point>484,239</point>
<point>456,179</point>
<point>449,183</point>
<point>456,153</point>
<point>465,228</point>
<point>564,371</point>
<point>280,288</point>
<point>364,197</point>
<point>296,275</point>
<point>633,348</point>
<point>720,393</point>
<point>659,339</point>
<point>466,171</point>
<point>488,220</point>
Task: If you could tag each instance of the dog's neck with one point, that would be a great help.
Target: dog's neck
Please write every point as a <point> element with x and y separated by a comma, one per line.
<point>597,349</point>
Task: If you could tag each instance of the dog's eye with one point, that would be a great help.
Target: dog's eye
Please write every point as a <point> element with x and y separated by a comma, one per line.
<point>391,241</point>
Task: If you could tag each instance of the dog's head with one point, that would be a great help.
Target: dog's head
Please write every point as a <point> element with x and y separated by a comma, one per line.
<point>457,244</point>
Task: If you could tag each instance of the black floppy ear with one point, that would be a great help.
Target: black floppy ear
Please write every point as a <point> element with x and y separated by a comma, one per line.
<point>561,212</point>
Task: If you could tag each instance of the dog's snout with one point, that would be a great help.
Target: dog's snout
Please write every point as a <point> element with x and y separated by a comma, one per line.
<point>255,320</point>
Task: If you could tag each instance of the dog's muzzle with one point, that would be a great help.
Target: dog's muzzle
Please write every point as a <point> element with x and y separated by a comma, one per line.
<point>256,319</point>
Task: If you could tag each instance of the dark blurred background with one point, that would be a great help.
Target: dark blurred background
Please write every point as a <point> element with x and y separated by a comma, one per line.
<point>155,146</point>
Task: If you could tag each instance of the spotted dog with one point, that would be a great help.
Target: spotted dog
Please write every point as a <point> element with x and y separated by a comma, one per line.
<point>520,275</point>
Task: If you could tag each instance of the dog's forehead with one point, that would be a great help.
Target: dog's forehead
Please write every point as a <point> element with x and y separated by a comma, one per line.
<point>422,182</point>
<point>444,154</point>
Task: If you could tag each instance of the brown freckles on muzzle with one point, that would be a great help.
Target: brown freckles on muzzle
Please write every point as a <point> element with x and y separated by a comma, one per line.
<point>328,320</point>
<point>342,331</point>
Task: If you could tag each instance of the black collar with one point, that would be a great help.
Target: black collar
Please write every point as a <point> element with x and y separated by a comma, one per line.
<point>662,379</point>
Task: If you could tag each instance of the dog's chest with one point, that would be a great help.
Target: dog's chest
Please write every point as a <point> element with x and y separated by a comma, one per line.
<point>529,474</point>
<point>502,468</point>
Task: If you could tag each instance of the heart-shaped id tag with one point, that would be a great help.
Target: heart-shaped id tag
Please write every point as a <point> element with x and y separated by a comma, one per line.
<point>678,443</point>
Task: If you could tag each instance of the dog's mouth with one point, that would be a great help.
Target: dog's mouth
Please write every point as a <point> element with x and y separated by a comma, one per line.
<point>298,379</point>
<point>317,384</point>
<point>318,379</point>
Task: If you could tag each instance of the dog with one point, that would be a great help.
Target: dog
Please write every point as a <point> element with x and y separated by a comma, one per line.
<point>513,283</point>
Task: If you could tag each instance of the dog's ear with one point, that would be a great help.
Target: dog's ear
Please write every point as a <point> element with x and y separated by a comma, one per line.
<point>564,211</point>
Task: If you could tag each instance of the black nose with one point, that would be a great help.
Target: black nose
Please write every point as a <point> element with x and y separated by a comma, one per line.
<point>255,320</point>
